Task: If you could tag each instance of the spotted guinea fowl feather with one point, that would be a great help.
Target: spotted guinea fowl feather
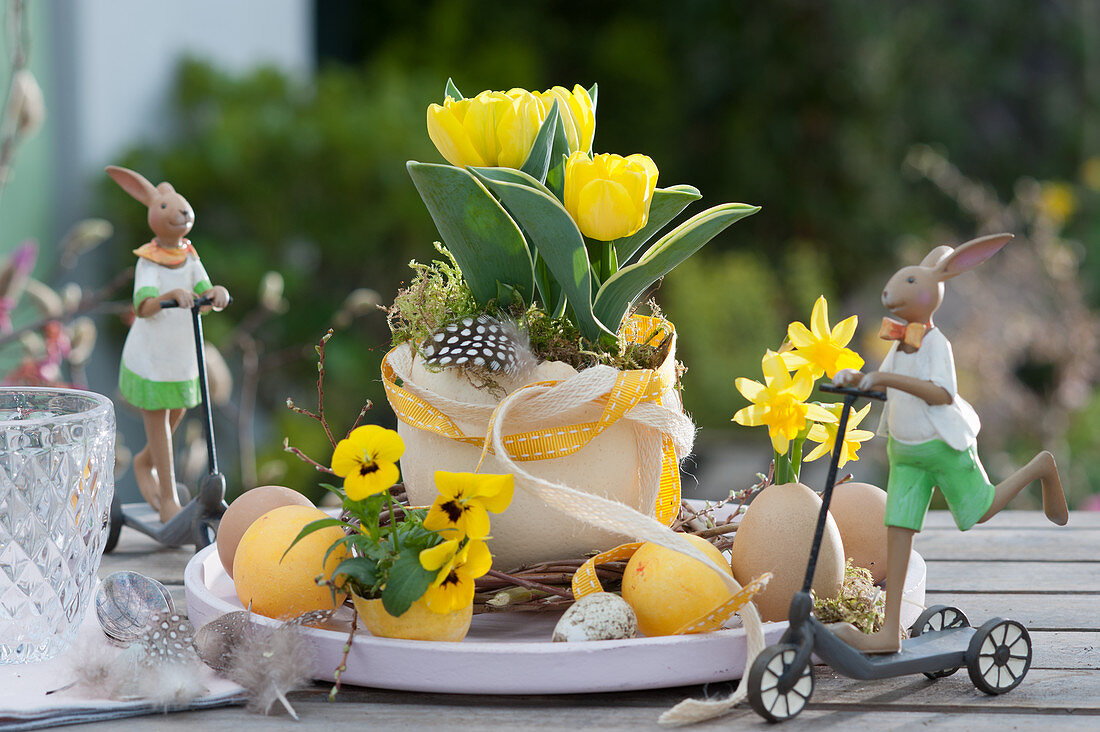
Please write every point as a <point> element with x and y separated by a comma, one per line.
<point>482,343</point>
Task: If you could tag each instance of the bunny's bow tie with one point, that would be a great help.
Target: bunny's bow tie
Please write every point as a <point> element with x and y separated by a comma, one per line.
<point>911,334</point>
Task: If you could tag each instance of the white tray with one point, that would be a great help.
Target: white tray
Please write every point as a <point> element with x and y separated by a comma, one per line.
<point>510,653</point>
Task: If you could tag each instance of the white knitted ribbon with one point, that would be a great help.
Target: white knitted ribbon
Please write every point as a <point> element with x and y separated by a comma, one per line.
<point>590,385</point>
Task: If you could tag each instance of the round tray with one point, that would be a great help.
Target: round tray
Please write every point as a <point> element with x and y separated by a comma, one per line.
<point>510,653</point>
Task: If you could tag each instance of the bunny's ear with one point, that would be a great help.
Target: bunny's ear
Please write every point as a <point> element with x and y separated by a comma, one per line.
<point>969,255</point>
<point>936,256</point>
<point>133,183</point>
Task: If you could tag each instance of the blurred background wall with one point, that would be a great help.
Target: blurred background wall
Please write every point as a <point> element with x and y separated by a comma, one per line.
<point>869,132</point>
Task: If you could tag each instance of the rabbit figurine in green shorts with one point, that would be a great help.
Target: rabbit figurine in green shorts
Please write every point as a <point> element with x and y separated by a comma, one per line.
<point>932,430</point>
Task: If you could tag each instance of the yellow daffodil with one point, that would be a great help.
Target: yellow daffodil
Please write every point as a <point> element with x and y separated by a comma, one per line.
<point>609,195</point>
<point>367,459</point>
<point>825,434</point>
<point>576,113</point>
<point>464,500</point>
<point>820,347</point>
<point>780,402</point>
<point>458,566</point>
<point>492,129</point>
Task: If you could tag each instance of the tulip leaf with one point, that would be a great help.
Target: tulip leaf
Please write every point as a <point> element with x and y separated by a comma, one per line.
<point>666,205</point>
<point>553,234</point>
<point>452,91</point>
<point>555,176</point>
<point>485,241</point>
<point>618,294</point>
<point>538,160</point>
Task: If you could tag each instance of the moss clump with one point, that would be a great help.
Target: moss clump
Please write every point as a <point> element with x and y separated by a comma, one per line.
<point>438,294</point>
<point>860,602</point>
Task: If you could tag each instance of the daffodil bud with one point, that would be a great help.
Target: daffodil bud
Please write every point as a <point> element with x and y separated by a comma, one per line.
<point>576,112</point>
<point>495,129</point>
<point>609,195</point>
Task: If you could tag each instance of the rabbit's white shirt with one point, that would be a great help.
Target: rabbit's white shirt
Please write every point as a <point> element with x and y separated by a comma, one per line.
<point>912,420</point>
<point>161,348</point>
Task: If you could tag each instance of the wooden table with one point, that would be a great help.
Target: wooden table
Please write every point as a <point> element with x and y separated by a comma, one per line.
<point>1018,566</point>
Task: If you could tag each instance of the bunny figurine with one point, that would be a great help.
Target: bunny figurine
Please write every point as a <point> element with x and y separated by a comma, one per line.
<point>159,371</point>
<point>932,430</point>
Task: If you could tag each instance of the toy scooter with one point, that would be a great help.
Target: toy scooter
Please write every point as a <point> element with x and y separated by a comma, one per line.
<point>197,522</point>
<point>997,655</point>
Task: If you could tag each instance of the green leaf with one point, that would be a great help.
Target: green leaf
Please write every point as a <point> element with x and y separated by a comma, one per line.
<point>406,584</point>
<point>555,176</point>
<point>619,293</point>
<point>361,570</point>
<point>479,233</point>
<point>594,92</point>
<point>666,205</point>
<point>312,527</point>
<point>538,160</point>
<point>452,91</point>
<point>552,232</point>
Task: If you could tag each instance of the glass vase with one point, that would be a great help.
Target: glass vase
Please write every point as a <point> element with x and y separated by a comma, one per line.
<point>56,483</point>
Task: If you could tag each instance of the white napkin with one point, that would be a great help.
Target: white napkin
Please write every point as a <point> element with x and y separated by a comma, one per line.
<point>24,703</point>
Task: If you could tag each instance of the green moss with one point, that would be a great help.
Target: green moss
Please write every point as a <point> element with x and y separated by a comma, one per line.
<point>860,602</point>
<point>438,294</point>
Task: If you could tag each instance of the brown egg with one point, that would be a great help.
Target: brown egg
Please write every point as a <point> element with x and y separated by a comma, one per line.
<point>859,510</point>
<point>246,509</point>
<point>775,536</point>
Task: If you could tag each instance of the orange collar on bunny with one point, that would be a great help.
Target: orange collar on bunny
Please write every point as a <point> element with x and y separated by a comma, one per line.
<point>910,334</point>
<point>167,257</point>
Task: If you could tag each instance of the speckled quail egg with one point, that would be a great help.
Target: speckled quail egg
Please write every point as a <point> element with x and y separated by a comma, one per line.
<point>599,616</point>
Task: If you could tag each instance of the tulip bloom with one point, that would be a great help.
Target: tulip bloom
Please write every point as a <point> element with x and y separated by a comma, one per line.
<point>576,113</point>
<point>609,195</point>
<point>494,129</point>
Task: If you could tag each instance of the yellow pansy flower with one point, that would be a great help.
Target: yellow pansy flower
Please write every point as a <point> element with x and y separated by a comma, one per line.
<point>577,114</point>
<point>367,459</point>
<point>464,500</point>
<point>820,347</point>
<point>825,434</point>
<point>458,566</point>
<point>609,195</point>
<point>492,129</point>
<point>780,402</point>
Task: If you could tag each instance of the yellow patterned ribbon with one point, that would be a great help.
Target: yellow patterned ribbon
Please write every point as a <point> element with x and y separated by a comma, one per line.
<point>631,388</point>
<point>586,582</point>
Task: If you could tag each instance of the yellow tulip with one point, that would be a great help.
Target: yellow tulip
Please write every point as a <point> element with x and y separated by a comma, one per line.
<point>576,113</point>
<point>609,195</point>
<point>495,129</point>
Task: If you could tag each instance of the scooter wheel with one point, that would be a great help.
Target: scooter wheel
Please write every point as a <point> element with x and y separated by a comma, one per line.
<point>767,695</point>
<point>114,524</point>
<point>999,656</point>
<point>939,617</point>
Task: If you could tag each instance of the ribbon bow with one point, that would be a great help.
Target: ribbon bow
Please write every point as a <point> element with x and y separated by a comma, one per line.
<point>911,334</point>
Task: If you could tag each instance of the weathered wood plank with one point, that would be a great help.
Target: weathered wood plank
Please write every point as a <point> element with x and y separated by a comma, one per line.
<point>383,716</point>
<point>1042,689</point>
<point>987,543</point>
<point>1031,577</point>
<point>1036,612</point>
<point>138,552</point>
<point>1020,520</point>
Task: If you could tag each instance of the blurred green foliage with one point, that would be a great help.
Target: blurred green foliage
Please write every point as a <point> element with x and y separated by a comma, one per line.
<point>807,108</point>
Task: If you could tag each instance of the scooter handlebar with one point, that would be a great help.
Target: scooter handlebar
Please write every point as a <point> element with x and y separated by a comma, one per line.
<point>852,391</point>
<point>199,303</point>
